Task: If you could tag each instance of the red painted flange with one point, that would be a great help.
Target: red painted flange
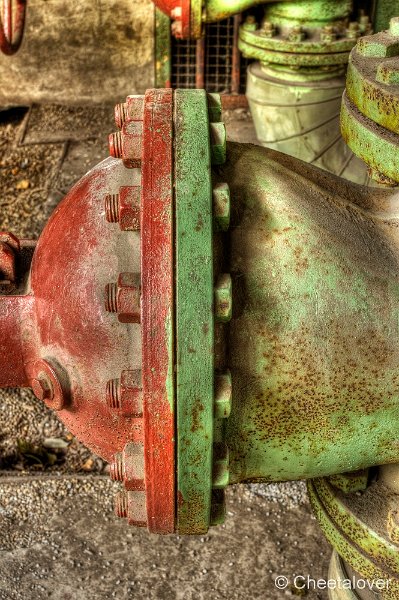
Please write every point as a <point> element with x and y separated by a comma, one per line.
<point>157,291</point>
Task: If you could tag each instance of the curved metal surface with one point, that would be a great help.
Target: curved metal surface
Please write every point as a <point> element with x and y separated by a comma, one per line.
<point>12,25</point>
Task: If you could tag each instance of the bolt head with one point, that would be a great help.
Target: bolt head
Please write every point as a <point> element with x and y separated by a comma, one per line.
<point>394,26</point>
<point>128,298</point>
<point>177,29</point>
<point>42,388</point>
<point>131,393</point>
<point>221,206</point>
<point>133,466</point>
<point>218,143</point>
<point>137,509</point>
<point>129,208</point>
<point>223,298</point>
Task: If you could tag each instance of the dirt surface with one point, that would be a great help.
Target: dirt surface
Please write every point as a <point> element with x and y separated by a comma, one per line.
<point>59,538</point>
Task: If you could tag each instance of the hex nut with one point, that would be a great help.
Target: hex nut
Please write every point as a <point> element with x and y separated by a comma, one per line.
<point>132,109</point>
<point>221,207</point>
<point>123,298</point>
<point>125,395</point>
<point>129,208</point>
<point>223,395</point>
<point>128,299</point>
<point>218,143</point>
<point>223,298</point>
<point>137,508</point>
<point>127,143</point>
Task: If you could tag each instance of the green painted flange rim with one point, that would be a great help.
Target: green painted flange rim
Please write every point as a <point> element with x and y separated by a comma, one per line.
<point>250,50</point>
<point>194,311</point>
<point>375,99</point>
<point>370,542</point>
<point>278,44</point>
<point>362,562</point>
<point>377,146</point>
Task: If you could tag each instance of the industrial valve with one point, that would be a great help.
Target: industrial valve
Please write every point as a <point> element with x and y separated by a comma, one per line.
<point>203,314</point>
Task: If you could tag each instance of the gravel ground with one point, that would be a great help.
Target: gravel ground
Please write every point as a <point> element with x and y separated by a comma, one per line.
<point>60,540</point>
<point>59,537</point>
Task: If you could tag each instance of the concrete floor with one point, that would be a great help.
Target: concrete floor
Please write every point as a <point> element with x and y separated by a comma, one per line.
<point>59,538</point>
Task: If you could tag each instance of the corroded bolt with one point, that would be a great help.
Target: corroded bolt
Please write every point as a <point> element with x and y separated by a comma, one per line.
<point>220,472</point>
<point>296,34</point>
<point>218,143</point>
<point>218,507</point>
<point>115,144</point>
<point>116,467</point>
<point>353,31</point>
<point>214,107</point>
<point>9,247</point>
<point>394,26</point>
<point>128,466</point>
<point>378,46</point>
<point>123,298</point>
<point>137,509</point>
<point>132,110</point>
<point>221,206</point>
<point>127,143</point>
<point>364,24</point>
<point>223,298</point>
<point>250,23</point>
<point>393,526</point>
<point>356,481</point>
<point>223,395</point>
<point>121,505</point>
<point>267,30</point>
<point>120,114</point>
<point>42,387</point>
<point>124,208</point>
<point>126,394</point>
<point>177,29</point>
<point>328,34</point>
<point>388,72</point>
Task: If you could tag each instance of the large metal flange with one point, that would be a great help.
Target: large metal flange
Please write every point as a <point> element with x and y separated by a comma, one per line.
<point>369,113</point>
<point>175,467</point>
<point>202,464</point>
<point>300,46</point>
<point>146,465</point>
<point>157,310</point>
<point>357,531</point>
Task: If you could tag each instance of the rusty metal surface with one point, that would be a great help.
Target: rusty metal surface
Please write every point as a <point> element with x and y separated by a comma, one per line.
<point>358,526</point>
<point>369,122</point>
<point>314,264</point>
<point>307,34</point>
<point>157,305</point>
<point>194,310</point>
<point>373,74</point>
<point>286,316</point>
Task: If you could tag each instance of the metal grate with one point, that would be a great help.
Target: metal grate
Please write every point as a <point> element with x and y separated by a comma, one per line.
<point>213,62</point>
<point>183,63</point>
